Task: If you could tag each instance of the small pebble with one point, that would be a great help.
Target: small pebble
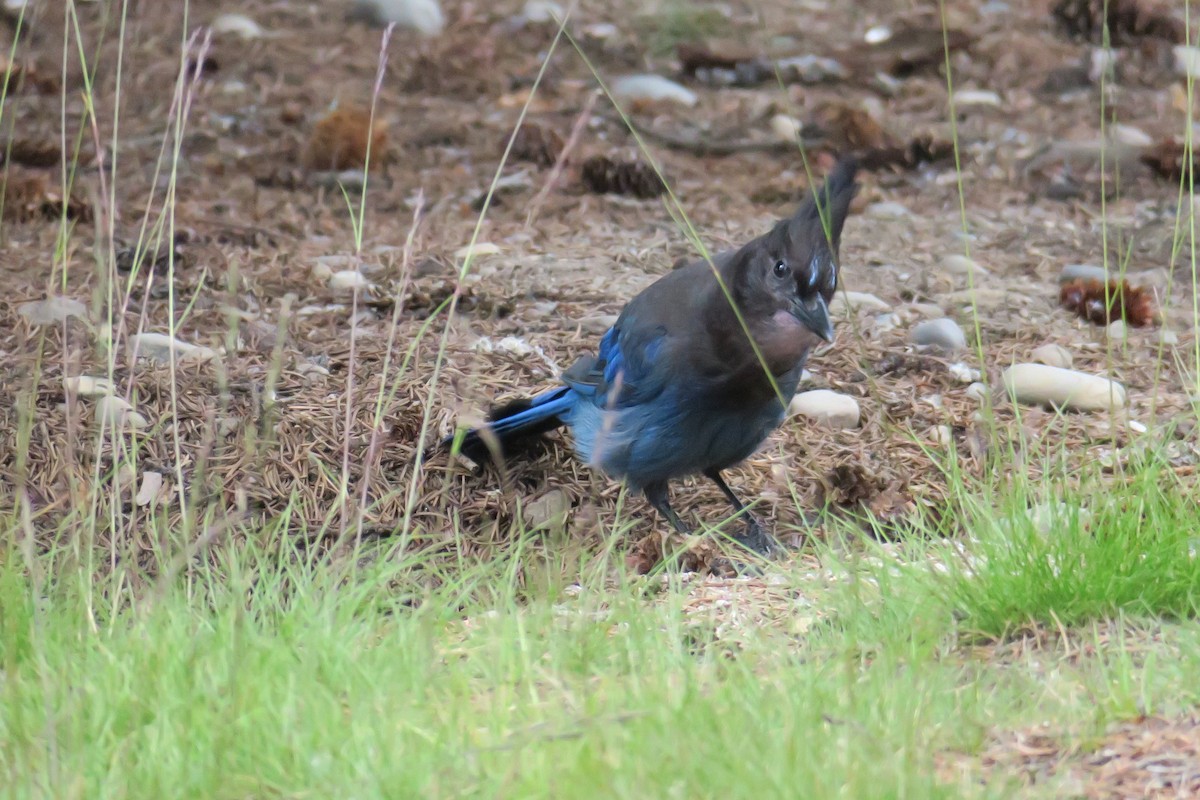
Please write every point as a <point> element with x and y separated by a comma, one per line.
<point>87,386</point>
<point>941,435</point>
<point>477,250</point>
<point>652,89</point>
<point>115,412</point>
<point>1187,61</point>
<point>878,34</point>
<point>826,407</point>
<point>1169,337</point>
<point>1053,355</point>
<point>238,25</point>
<point>942,333</point>
<point>958,264</point>
<point>786,128</point>
<point>151,485</point>
<point>977,391</point>
<point>159,347</point>
<point>1040,384</point>
<point>347,280</point>
<point>1101,61</point>
<point>857,300</point>
<point>976,97</point>
<point>887,210</point>
<point>1117,331</point>
<point>1129,135</point>
<point>542,11</point>
<point>423,16</point>
<point>963,373</point>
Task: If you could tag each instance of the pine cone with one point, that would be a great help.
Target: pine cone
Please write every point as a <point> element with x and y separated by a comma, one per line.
<point>1101,302</point>
<point>1127,20</point>
<point>538,145</point>
<point>602,175</point>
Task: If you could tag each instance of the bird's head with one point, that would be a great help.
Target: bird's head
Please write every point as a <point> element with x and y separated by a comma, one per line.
<point>784,280</point>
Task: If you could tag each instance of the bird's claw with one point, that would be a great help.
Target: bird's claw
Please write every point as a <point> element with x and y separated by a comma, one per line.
<point>757,540</point>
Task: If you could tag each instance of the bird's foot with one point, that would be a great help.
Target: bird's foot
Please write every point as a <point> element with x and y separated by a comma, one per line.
<point>757,540</point>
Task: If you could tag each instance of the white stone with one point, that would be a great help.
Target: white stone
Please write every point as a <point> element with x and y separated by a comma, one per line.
<point>976,97</point>
<point>977,392</point>
<point>826,407</point>
<point>1187,61</point>
<point>115,412</point>
<point>423,16</point>
<point>159,346</point>
<point>477,250</point>
<point>542,11</point>
<point>238,25</point>
<point>941,435</point>
<point>652,89</point>
<point>1040,384</point>
<point>347,280</point>
<point>1169,337</point>
<point>958,264</point>
<point>1117,331</point>
<point>786,128</point>
<point>849,301</point>
<point>878,34</point>
<point>1053,355</point>
<point>887,210</point>
<point>1129,135</point>
<point>52,310</point>
<point>963,373</point>
<point>87,386</point>
<point>1100,62</point>
<point>943,333</point>
<point>151,485</point>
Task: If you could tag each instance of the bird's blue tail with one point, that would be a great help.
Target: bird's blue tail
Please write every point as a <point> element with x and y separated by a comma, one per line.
<point>517,421</point>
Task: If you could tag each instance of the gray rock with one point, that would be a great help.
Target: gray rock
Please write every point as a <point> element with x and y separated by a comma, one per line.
<point>423,16</point>
<point>943,333</point>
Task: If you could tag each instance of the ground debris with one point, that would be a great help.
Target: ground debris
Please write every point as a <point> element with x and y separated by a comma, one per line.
<point>31,196</point>
<point>537,144</point>
<point>1125,20</point>
<point>604,175</point>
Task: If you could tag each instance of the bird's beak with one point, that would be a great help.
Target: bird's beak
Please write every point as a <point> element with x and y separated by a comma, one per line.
<point>814,315</point>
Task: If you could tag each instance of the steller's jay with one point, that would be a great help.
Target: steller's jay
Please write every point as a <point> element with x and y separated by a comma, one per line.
<point>678,388</point>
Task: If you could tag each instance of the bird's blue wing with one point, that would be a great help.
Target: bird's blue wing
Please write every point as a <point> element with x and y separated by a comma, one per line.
<point>627,369</point>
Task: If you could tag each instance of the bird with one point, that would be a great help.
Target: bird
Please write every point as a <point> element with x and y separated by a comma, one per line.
<point>699,367</point>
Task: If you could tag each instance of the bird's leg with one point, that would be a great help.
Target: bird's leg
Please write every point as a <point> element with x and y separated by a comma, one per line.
<point>656,493</point>
<point>754,538</point>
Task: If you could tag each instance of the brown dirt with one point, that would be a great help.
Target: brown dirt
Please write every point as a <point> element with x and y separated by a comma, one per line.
<point>290,406</point>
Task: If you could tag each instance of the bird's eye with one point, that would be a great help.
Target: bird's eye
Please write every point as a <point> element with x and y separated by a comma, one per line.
<point>781,269</point>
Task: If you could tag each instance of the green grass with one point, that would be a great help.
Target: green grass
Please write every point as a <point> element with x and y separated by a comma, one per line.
<point>262,675</point>
<point>254,672</point>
